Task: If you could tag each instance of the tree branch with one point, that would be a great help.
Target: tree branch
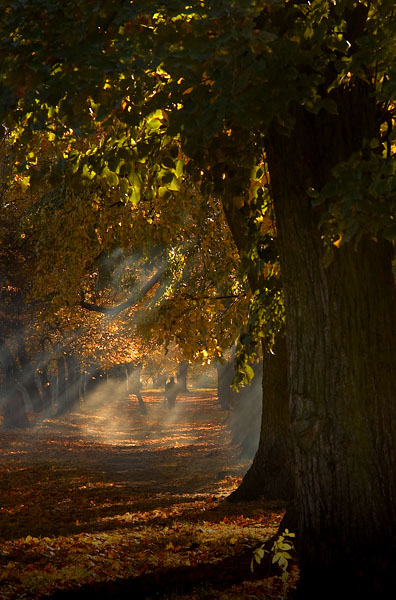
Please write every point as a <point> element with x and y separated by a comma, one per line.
<point>232,296</point>
<point>113,311</point>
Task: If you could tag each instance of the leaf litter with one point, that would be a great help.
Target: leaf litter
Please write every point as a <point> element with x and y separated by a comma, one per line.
<point>83,504</point>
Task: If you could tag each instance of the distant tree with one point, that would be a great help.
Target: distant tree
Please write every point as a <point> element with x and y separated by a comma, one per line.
<point>182,371</point>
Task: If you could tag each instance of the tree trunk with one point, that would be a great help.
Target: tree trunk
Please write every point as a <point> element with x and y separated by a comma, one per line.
<point>14,413</point>
<point>182,376</point>
<point>61,384</point>
<point>244,416</point>
<point>341,336</point>
<point>225,375</point>
<point>271,474</point>
<point>27,377</point>
<point>13,404</point>
<point>126,378</point>
<point>46,389</point>
<point>135,372</point>
<point>73,382</point>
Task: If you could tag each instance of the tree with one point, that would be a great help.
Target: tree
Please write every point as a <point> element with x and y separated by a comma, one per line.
<point>253,228</point>
<point>327,127</point>
<point>17,315</point>
<point>271,473</point>
<point>317,80</point>
<point>182,376</point>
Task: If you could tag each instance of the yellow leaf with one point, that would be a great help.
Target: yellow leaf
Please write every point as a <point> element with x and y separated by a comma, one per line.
<point>188,91</point>
<point>338,242</point>
<point>233,540</point>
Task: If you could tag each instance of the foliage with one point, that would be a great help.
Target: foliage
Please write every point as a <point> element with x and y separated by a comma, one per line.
<point>148,120</point>
<point>101,250</point>
<point>124,156</point>
<point>142,72</point>
<point>281,556</point>
<point>121,119</point>
<point>281,550</point>
<point>265,319</point>
<point>361,198</point>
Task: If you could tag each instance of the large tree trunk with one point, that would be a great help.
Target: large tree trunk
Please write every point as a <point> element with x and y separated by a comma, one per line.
<point>244,409</point>
<point>271,473</point>
<point>341,330</point>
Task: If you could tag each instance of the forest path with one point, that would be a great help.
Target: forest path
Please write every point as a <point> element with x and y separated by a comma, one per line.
<point>106,493</point>
<point>183,451</point>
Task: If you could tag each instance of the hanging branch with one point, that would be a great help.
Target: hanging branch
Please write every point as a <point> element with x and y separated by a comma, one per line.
<point>114,311</point>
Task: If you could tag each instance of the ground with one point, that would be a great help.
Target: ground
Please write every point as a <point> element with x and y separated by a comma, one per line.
<point>108,503</point>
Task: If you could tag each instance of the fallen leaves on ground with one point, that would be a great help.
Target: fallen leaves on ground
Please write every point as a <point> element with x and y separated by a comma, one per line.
<point>108,494</point>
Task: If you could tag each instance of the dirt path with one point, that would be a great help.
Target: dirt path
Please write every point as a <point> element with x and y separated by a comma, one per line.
<point>107,494</point>
<point>183,452</point>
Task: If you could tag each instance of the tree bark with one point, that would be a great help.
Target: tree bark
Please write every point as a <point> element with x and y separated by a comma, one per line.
<point>341,337</point>
<point>225,375</point>
<point>182,376</point>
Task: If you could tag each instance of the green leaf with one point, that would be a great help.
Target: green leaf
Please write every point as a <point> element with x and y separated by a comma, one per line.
<point>135,196</point>
<point>249,372</point>
<point>112,178</point>
<point>174,185</point>
<point>154,124</point>
<point>179,167</point>
<point>135,179</point>
<point>124,186</point>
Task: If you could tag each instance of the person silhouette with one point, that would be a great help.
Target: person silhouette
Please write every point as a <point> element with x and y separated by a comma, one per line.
<point>171,391</point>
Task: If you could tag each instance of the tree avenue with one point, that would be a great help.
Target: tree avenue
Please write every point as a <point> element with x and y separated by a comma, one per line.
<point>285,109</point>
<point>94,297</point>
